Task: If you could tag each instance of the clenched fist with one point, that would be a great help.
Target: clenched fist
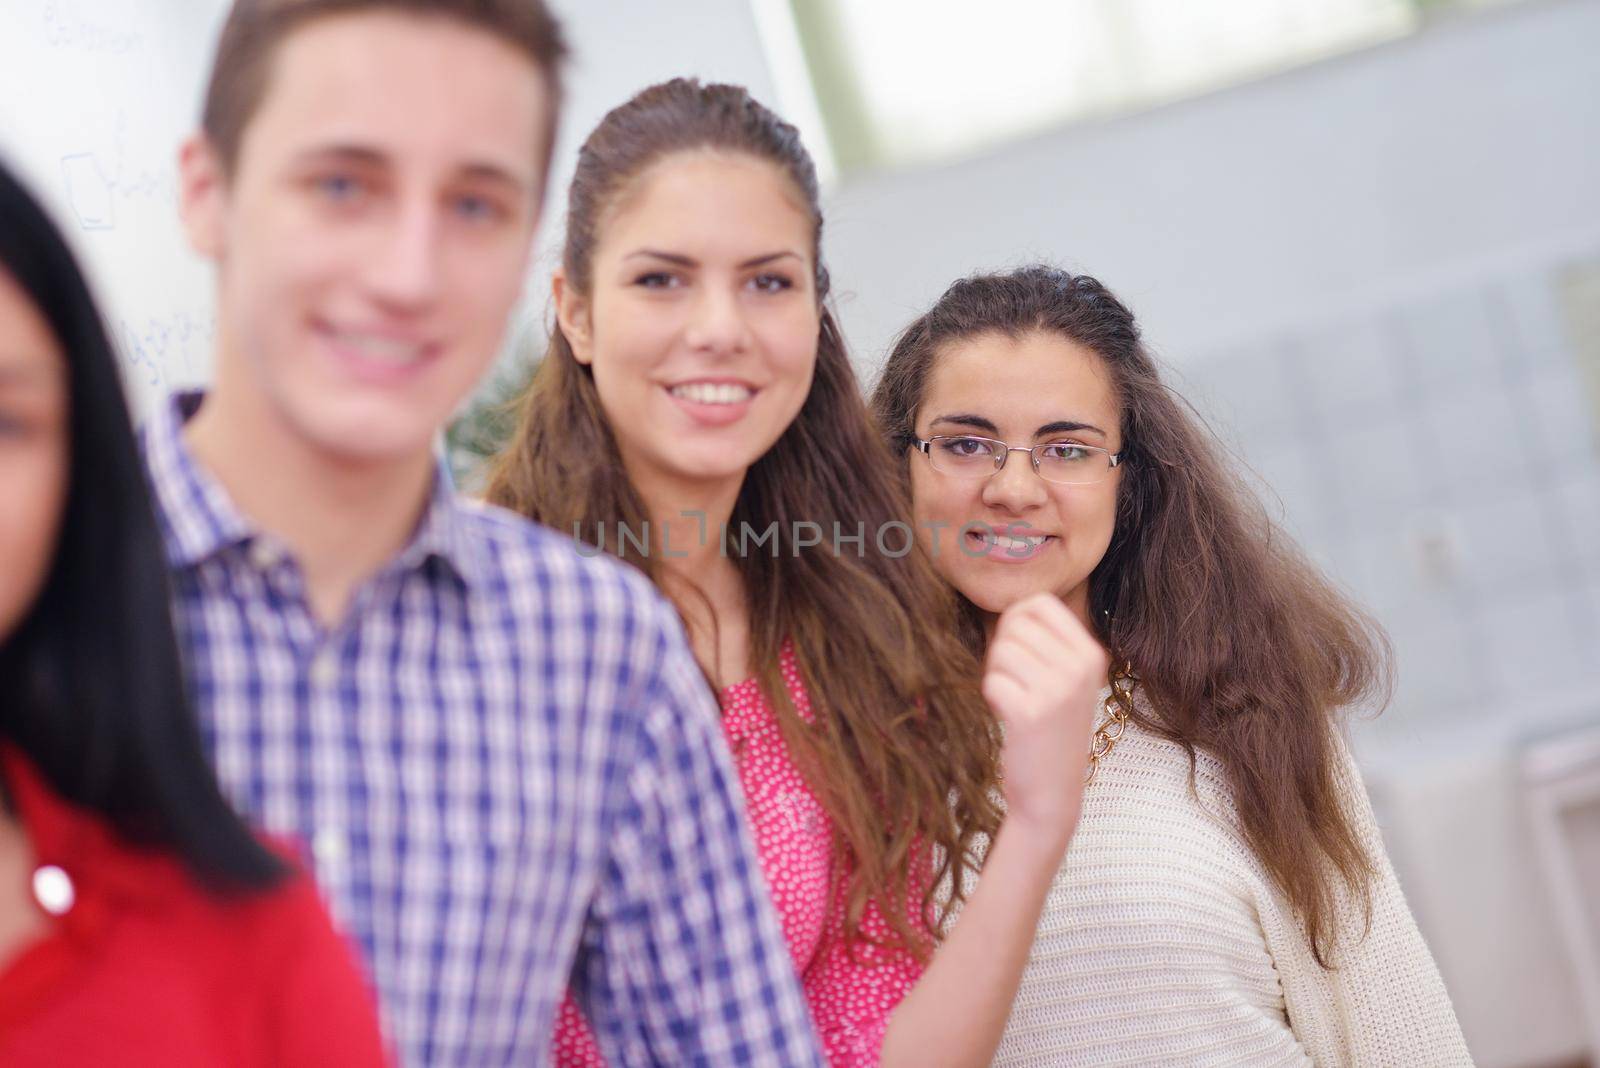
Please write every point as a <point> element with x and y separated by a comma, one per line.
<point>1043,674</point>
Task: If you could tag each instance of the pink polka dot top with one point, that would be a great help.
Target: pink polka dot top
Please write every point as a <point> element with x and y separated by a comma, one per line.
<point>851,994</point>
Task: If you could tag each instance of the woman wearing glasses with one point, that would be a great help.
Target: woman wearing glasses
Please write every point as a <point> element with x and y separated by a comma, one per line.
<point>1227,899</point>
<point>696,392</point>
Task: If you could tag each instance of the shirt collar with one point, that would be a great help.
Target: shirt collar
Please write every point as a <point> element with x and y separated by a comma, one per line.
<point>443,534</point>
<point>199,520</point>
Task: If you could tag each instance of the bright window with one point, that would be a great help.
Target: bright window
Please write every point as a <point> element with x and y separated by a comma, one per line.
<point>908,81</point>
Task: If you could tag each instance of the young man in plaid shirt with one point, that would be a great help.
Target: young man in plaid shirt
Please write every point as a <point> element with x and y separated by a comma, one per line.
<point>499,753</point>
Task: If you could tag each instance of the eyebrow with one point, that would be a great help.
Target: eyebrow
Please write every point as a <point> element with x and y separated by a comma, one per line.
<point>1061,426</point>
<point>365,156</point>
<point>689,261</point>
<point>1066,426</point>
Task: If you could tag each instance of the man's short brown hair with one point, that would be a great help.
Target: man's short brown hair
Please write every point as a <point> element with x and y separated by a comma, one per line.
<point>242,65</point>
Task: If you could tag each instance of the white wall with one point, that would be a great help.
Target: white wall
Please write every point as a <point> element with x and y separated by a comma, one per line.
<point>1262,205</point>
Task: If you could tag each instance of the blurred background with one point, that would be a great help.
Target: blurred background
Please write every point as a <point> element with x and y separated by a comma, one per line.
<point>1363,237</point>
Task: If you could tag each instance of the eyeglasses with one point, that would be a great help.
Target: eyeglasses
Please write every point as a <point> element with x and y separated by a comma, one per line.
<point>1066,463</point>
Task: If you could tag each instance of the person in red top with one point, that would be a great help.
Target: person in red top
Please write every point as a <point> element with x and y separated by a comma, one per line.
<point>141,922</point>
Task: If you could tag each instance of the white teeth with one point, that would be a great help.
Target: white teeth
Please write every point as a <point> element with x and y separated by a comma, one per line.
<point>381,349</point>
<point>1009,543</point>
<point>712,393</point>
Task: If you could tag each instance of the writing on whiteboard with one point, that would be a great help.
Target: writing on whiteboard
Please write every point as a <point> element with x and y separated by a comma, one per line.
<point>65,28</point>
<point>158,346</point>
<point>94,181</point>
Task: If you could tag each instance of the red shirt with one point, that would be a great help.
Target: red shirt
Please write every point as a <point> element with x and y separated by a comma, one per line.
<point>851,991</point>
<point>148,968</point>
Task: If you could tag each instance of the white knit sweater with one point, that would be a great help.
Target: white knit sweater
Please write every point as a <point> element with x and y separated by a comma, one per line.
<point>1163,942</point>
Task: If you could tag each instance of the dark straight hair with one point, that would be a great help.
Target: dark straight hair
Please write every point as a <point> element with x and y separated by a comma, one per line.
<point>91,688</point>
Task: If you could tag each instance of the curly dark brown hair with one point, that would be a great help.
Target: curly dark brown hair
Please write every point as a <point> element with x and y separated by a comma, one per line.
<point>1243,647</point>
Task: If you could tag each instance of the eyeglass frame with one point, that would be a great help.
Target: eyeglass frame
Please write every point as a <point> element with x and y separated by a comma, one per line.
<point>924,446</point>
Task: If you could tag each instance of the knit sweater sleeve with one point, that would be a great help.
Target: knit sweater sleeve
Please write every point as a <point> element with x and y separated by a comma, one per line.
<point>1383,1002</point>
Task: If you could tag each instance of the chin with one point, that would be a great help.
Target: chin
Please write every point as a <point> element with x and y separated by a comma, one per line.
<point>376,450</point>
<point>996,597</point>
<point>714,467</point>
<point>990,600</point>
<point>370,437</point>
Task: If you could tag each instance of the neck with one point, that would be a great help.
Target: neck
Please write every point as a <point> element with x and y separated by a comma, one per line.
<point>686,523</point>
<point>342,519</point>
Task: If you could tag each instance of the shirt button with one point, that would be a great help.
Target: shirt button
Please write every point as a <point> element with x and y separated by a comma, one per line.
<point>263,554</point>
<point>329,847</point>
<point>53,890</point>
<point>325,669</point>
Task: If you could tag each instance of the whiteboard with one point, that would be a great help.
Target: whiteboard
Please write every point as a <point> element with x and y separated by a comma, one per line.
<point>95,98</point>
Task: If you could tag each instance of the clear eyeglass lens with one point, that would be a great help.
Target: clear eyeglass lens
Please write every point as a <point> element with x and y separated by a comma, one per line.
<point>964,455</point>
<point>1062,462</point>
<point>1072,465</point>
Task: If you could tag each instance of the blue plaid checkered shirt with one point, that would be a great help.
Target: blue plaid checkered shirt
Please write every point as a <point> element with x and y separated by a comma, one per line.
<point>507,772</point>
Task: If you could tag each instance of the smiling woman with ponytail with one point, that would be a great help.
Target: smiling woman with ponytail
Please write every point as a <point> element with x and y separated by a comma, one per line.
<point>696,381</point>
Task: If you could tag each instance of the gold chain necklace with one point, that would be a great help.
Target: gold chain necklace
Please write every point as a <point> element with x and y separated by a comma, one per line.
<point>1117,707</point>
